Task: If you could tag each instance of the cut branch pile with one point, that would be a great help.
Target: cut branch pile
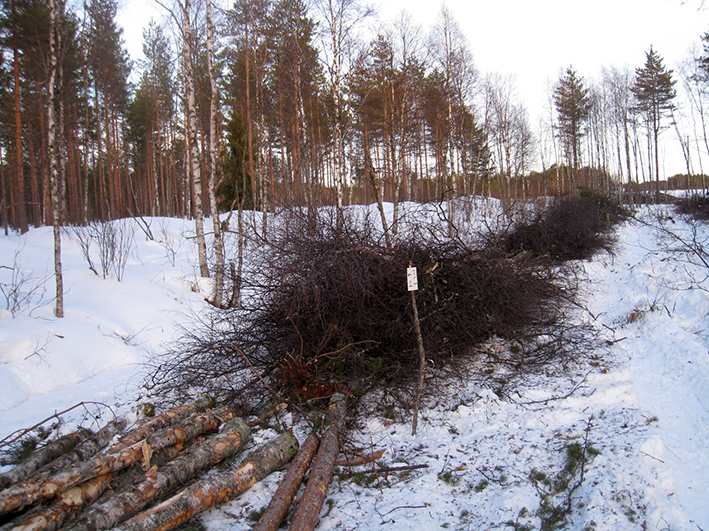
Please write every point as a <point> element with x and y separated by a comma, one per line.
<point>82,484</point>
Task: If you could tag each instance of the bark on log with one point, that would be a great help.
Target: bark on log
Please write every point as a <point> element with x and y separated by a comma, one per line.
<point>359,460</point>
<point>159,482</point>
<point>40,458</point>
<point>66,504</point>
<point>307,513</point>
<point>29,492</point>
<point>81,452</point>
<point>282,499</point>
<point>163,420</point>
<point>217,489</point>
<point>135,474</point>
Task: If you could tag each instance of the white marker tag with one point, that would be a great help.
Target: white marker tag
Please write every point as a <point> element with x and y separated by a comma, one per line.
<point>412,279</point>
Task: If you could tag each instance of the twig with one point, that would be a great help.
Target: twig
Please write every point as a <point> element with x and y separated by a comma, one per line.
<point>260,378</point>
<point>553,398</point>
<point>405,507</point>
<point>21,433</point>
<point>651,456</point>
<point>268,414</point>
<point>361,459</point>
<point>384,470</point>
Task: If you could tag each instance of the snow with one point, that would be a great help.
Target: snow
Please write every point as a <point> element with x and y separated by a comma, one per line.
<point>643,402</point>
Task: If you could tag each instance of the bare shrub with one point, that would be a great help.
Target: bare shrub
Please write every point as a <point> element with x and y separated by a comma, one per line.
<point>326,309</point>
<point>571,228</point>
<point>114,242</point>
<point>695,206</point>
<point>21,288</point>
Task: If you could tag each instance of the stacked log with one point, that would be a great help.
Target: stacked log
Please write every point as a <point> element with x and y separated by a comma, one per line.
<point>81,484</point>
<point>307,513</point>
<point>216,489</point>
<point>283,498</point>
<point>45,487</point>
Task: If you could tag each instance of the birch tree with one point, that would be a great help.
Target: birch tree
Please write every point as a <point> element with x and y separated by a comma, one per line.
<point>340,20</point>
<point>193,165</point>
<point>212,158</point>
<point>55,10</point>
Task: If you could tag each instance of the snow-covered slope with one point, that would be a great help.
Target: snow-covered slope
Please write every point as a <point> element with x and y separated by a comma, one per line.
<point>644,405</point>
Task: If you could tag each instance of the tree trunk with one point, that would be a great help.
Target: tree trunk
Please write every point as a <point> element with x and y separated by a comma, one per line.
<point>282,499</point>
<point>307,514</point>
<point>83,451</point>
<point>216,489</point>
<point>52,451</point>
<point>191,138</point>
<point>68,502</point>
<point>156,423</point>
<point>212,172</point>
<point>18,205</point>
<point>159,482</point>
<point>24,494</point>
<point>53,169</point>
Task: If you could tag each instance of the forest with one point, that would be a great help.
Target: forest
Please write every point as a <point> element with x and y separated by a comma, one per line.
<point>269,104</point>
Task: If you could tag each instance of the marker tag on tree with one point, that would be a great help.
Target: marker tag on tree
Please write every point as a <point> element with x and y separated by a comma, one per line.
<point>412,279</point>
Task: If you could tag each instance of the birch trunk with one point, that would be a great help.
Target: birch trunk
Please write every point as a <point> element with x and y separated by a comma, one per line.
<point>191,139</point>
<point>82,451</point>
<point>66,504</point>
<point>159,482</point>
<point>53,169</point>
<point>212,173</point>
<point>39,458</point>
<point>216,489</point>
<point>163,420</point>
<point>29,492</point>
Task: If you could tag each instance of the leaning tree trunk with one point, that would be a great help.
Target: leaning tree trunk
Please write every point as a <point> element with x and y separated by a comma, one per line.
<point>216,489</point>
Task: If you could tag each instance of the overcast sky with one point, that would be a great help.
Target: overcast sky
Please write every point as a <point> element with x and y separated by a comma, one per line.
<point>534,39</point>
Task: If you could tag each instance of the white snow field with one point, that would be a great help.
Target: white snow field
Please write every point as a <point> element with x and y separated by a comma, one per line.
<point>642,403</point>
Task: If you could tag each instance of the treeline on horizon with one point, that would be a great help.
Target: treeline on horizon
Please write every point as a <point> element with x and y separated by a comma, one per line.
<point>266,104</point>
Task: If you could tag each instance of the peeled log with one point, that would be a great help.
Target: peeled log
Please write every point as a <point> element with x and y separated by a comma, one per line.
<point>163,420</point>
<point>67,503</point>
<point>282,499</point>
<point>40,458</point>
<point>217,489</point>
<point>29,492</point>
<point>158,483</point>
<point>307,513</point>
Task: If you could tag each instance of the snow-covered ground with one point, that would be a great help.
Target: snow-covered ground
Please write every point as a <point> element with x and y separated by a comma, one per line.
<point>644,405</point>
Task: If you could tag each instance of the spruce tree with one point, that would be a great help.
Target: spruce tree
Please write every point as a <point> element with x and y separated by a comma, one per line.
<point>654,90</point>
<point>572,106</point>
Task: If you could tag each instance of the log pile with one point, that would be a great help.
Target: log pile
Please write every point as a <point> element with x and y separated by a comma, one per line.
<point>83,484</point>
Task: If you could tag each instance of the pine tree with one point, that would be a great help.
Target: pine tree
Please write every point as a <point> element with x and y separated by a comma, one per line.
<point>654,90</point>
<point>109,67</point>
<point>572,104</point>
